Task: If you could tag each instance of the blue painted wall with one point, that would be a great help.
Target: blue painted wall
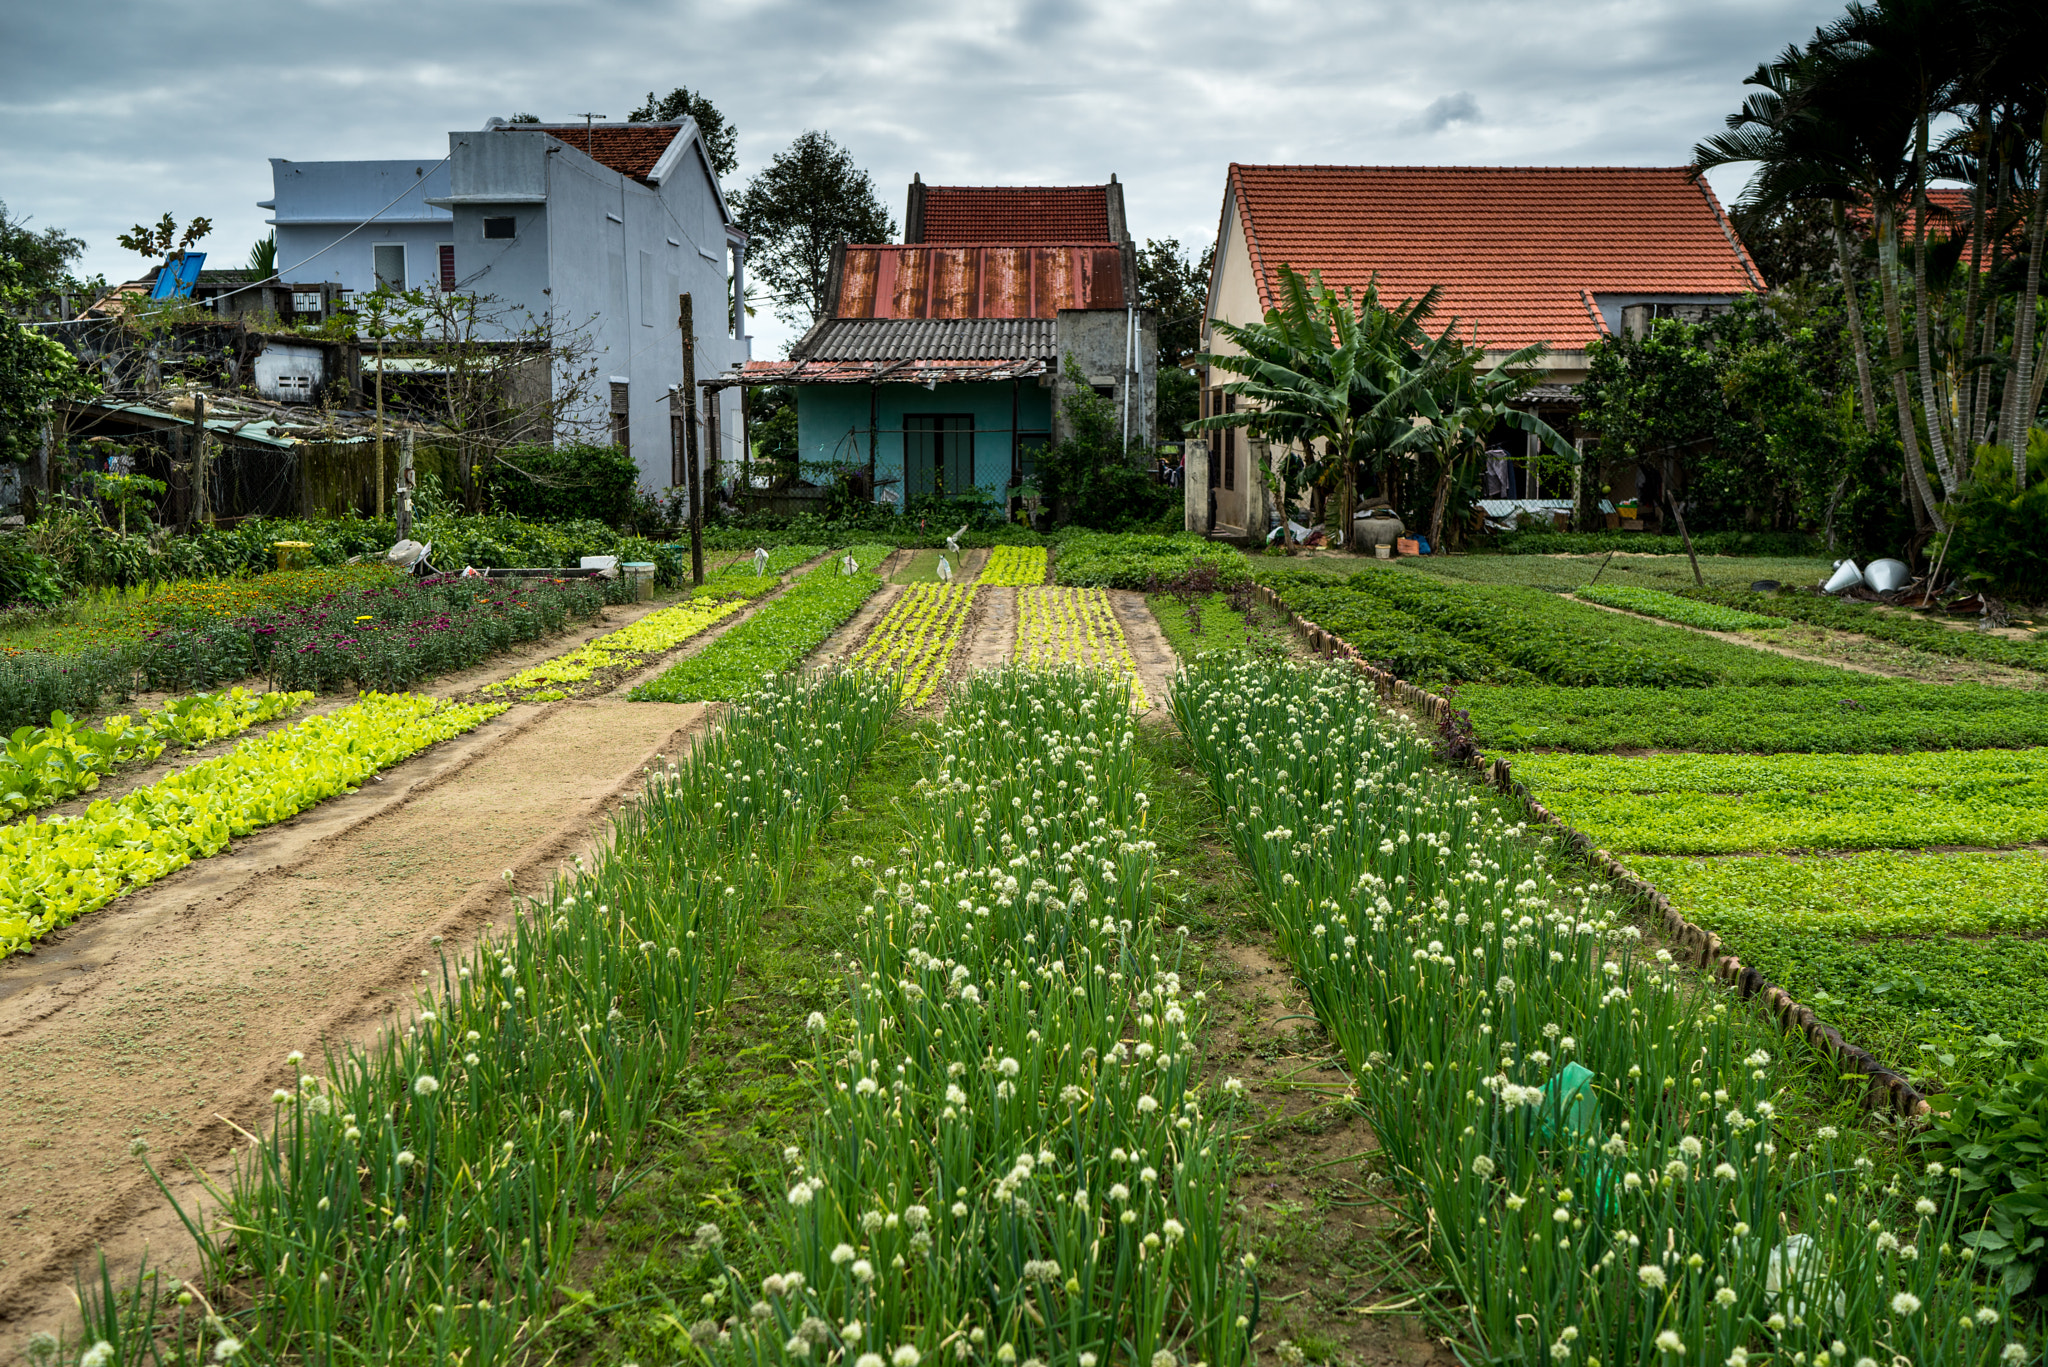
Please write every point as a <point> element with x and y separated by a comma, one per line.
<point>827,413</point>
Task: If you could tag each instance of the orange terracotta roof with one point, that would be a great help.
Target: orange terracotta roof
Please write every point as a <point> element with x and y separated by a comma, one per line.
<point>631,149</point>
<point>922,281</point>
<point>957,214</point>
<point>1520,251</point>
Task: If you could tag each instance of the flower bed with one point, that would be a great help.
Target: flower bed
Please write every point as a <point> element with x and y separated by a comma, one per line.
<point>47,764</point>
<point>1011,567</point>
<point>1600,1152</point>
<point>1068,626</point>
<point>777,638</point>
<point>914,641</point>
<point>59,870</point>
<point>1670,607</point>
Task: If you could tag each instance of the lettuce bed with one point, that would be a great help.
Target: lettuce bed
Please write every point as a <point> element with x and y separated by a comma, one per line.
<point>1720,804</point>
<point>52,872</point>
<point>775,639</point>
<point>1860,716</point>
<point>914,641</point>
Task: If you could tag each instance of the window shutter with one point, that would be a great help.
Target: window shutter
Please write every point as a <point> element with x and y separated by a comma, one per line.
<point>447,268</point>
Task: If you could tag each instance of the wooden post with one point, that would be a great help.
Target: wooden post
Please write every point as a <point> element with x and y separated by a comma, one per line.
<point>1678,517</point>
<point>201,512</point>
<point>696,481</point>
<point>379,481</point>
<point>403,502</point>
<point>746,447</point>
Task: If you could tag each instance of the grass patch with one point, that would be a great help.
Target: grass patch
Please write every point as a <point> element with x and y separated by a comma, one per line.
<point>1211,623</point>
<point>922,568</point>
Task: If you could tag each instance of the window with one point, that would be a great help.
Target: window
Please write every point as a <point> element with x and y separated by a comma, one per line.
<point>1104,391</point>
<point>305,301</point>
<point>622,425</point>
<point>447,268</point>
<point>388,260</point>
<point>938,453</point>
<point>500,228</point>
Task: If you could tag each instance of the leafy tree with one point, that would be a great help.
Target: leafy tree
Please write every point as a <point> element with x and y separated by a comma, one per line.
<point>35,372</point>
<point>163,238</point>
<point>720,137</point>
<point>808,200</point>
<point>524,118</point>
<point>41,261</point>
<point>1177,289</point>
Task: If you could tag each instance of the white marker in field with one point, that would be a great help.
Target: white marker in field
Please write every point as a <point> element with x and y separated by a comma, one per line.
<point>760,561</point>
<point>953,541</point>
<point>945,571</point>
<point>848,565</point>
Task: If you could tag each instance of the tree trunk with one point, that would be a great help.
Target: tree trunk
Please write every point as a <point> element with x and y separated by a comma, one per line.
<point>2023,392</point>
<point>1866,394</point>
<point>1348,504</point>
<point>1930,399</point>
<point>1978,378</point>
<point>1895,344</point>
<point>1443,497</point>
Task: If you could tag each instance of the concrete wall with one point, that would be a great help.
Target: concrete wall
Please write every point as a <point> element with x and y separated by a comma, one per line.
<point>315,203</point>
<point>833,419</point>
<point>605,256</point>
<point>1096,339</point>
<point>1233,297</point>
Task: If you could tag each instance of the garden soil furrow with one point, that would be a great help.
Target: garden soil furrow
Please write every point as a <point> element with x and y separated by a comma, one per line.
<point>1150,650</point>
<point>990,639</point>
<point>167,1015</point>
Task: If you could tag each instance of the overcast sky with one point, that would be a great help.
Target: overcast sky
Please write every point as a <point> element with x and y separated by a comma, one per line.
<point>114,111</point>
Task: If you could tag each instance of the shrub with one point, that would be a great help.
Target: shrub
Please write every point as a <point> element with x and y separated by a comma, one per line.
<point>563,483</point>
<point>26,577</point>
<point>2001,539</point>
<point>1142,562</point>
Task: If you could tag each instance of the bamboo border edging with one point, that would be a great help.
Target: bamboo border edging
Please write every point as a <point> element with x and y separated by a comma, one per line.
<point>1702,946</point>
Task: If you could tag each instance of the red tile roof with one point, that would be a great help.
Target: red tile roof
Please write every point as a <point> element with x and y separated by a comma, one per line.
<point>920,281</point>
<point>1519,251</point>
<point>1043,214</point>
<point>631,149</point>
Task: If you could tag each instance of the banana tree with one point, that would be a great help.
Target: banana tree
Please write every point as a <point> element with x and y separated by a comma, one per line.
<point>1328,378</point>
<point>1468,406</point>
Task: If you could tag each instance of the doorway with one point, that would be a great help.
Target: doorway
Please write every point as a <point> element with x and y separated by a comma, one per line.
<point>938,453</point>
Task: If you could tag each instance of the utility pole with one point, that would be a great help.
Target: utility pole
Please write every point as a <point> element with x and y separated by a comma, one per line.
<point>696,483</point>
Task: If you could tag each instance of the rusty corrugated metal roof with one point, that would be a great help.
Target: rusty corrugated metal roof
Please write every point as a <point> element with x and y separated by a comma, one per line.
<point>1013,281</point>
<point>924,371</point>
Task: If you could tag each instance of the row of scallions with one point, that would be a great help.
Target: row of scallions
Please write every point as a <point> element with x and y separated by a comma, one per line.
<point>1013,1160</point>
<point>1606,1162</point>
<point>419,1200</point>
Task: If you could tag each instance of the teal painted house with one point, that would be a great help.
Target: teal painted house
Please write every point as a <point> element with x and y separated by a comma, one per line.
<point>939,364</point>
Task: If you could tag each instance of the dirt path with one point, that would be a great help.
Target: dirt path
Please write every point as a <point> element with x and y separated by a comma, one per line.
<point>990,638</point>
<point>167,1015</point>
<point>1150,651</point>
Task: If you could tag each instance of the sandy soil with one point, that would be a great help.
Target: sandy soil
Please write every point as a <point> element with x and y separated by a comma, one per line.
<point>990,638</point>
<point>1150,651</point>
<point>166,1016</point>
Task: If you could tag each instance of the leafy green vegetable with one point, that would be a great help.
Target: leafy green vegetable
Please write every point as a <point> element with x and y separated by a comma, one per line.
<point>52,872</point>
<point>1861,714</point>
<point>1112,560</point>
<point>1896,627</point>
<point>1993,1133</point>
<point>1724,804</point>
<point>1885,892</point>
<point>1651,603</point>
<point>775,639</point>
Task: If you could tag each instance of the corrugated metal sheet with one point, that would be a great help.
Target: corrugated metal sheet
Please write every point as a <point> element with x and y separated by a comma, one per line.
<point>926,281</point>
<point>938,339</point>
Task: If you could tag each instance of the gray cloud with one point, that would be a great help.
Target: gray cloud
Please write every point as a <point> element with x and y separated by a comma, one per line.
<point>121,109</point>
<point>1442,112</point>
